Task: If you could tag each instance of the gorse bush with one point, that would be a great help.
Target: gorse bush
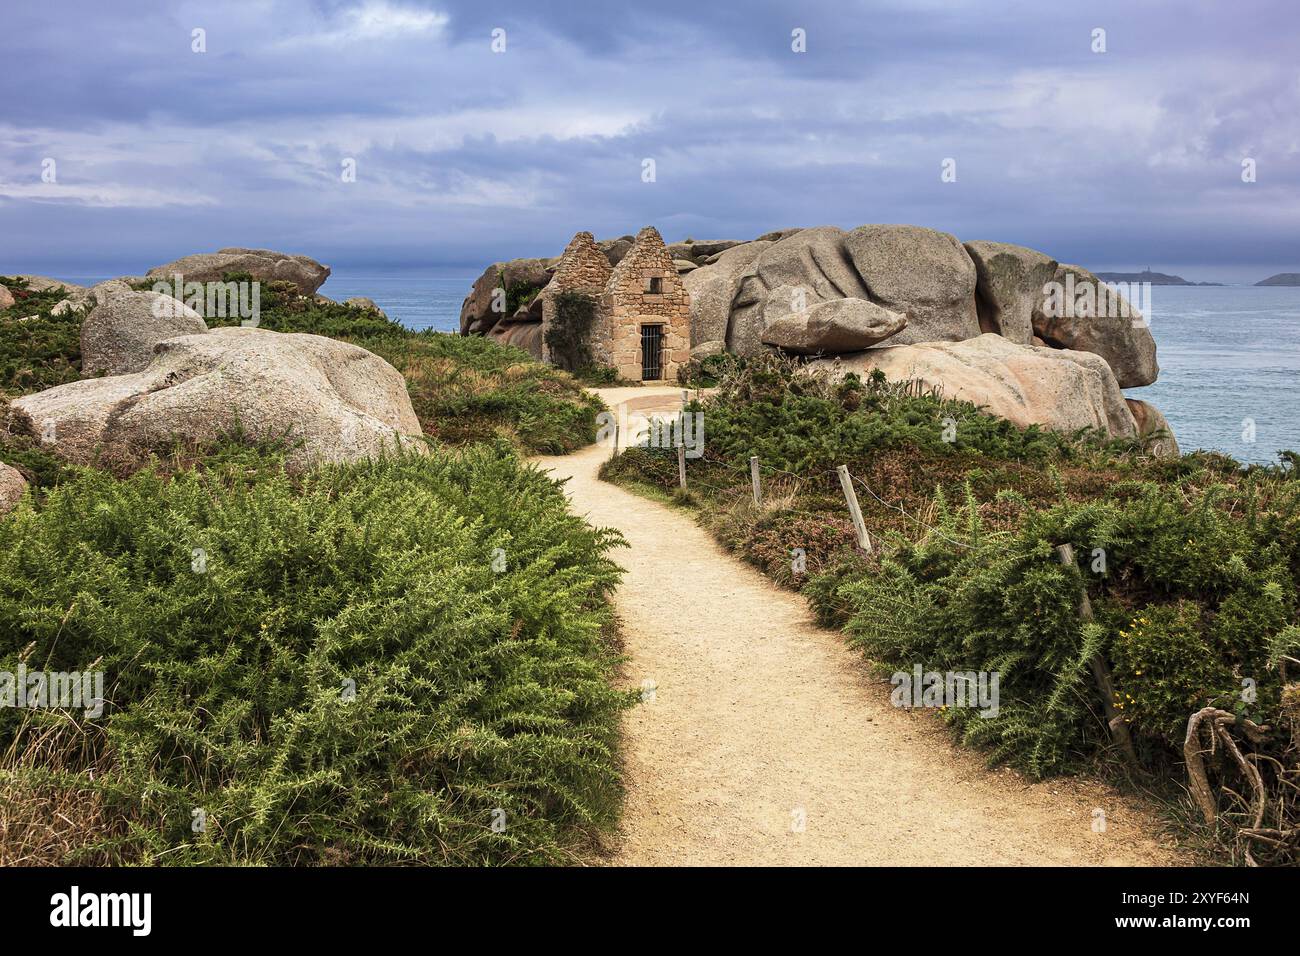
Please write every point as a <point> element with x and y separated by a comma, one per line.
<point>481,676</point>
<point>1180,633</point>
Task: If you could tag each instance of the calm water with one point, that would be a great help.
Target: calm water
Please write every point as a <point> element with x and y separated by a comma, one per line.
<point>1227,354</point>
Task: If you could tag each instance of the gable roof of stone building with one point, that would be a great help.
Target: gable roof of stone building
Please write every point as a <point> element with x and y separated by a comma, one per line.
<point>581,267</point>
<point>647,250</point>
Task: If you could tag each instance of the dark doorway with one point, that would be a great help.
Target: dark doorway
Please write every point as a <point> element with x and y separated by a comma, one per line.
<point>652,347</point>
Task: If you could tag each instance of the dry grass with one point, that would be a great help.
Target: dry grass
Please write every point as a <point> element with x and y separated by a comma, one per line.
<point>51,813</point>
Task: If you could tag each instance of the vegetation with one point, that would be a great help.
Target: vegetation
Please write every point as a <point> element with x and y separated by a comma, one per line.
<point>38,349</point>
<point>463,389</point>
<point>405,661</point>
<point>1191,567</point>
<point>569,335</point>
<point>352,674</point>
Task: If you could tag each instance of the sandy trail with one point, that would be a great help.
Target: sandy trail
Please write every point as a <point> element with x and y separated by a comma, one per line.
<point>768,742</point>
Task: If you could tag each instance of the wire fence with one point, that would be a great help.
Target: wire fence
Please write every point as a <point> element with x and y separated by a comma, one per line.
<point>757,468</point>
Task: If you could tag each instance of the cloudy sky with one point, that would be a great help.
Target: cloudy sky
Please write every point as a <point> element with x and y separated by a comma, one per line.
<point>463,154</point>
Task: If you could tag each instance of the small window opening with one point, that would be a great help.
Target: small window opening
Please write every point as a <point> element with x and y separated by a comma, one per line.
<point>654,285</point>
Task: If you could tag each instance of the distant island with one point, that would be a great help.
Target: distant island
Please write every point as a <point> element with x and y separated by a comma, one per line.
<point>1282,278</point>
<point>1155,278</point>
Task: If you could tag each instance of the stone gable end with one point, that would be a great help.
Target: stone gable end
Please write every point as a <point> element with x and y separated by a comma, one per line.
<point>644,290</point>
<point>583,268</point>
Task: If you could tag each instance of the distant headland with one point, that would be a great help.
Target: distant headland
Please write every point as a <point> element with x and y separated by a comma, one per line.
<point>1282,278</point>
<point>1155,278</point>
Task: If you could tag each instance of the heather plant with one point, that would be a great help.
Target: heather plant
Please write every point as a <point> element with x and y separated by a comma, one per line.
<point>397,661</point>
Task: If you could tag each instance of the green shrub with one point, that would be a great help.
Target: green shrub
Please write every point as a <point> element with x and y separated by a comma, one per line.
<point>38,350</point>
<point>476,689</point>
<point>568,336</point>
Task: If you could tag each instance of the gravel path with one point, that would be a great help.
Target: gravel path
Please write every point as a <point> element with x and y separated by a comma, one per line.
<point>767,741</point>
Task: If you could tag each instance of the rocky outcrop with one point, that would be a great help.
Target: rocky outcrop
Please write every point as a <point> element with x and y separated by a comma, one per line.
<point>1009,282</point>
<point>12,486</point>
<point>365,304</point>
<point>6,297</point>
<point>1079,311</point>
<point>840,325</point>
<point>777,235</point>
<point>523,335</point>
<point>332,401</point>
<point>485,306</point>
<point>793,274</point>
<point>712,289</point>
<point>1060,389</point>
<point>616,249</point>
<point>926,275</point>
<point>1154,427</point>
<point>264,265</point>
<point>45,284</point>
<point>119,334</point>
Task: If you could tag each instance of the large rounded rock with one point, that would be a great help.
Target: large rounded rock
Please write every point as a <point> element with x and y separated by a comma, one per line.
<point>1079,311</point>
<point>330,400</point>
<point>479,312</point>
<point>119,334</point>
<point>45,284</point>
<point>1009,283</point>
<point>616,249</point>
<point>1061,389</point>
<point>264,265</point>
<point>797,272</point>
<point>926,275</point>
<point>840,325</point>
<point>1154,428</point>
<point>524,335</point>
<point>6,297</point>
<point>12,486</point>
<point>711,289</point>
<point>366,304</point>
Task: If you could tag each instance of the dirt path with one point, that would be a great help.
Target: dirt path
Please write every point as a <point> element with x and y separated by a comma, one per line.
<point>761,720</point>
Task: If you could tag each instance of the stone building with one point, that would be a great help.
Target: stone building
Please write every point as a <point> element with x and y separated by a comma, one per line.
<point>643,317</point>
<point>644,325</point>
<point>584,269</point>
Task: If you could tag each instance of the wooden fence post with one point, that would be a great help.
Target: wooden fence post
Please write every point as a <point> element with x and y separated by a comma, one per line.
<point>681,465</point>
<point>851,496</point>
<point>1101,676</point>
<point>753,476</point>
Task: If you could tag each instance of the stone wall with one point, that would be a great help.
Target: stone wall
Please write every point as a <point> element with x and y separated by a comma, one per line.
<point>628,304</point>
<point>582,268</point>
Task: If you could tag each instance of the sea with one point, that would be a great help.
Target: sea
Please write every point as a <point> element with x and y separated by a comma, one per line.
<point>1229,355</point>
